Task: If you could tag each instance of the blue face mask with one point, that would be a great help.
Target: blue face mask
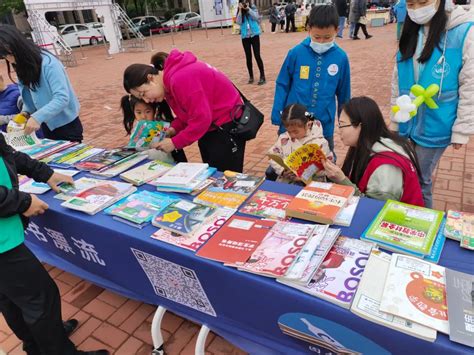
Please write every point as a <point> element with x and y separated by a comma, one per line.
<point>321,48</point>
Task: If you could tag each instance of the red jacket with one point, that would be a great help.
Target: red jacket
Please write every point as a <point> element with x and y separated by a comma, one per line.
<point>199,95</point>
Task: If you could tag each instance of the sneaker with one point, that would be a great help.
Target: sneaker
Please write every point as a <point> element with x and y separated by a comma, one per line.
<point>250,81</point>
<point>262,81</point>
<point>368,37</point>
<point>70,326</point>
<point>355,38</point>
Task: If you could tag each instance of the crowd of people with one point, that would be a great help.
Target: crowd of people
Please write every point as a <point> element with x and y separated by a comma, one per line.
<point>312,96</point>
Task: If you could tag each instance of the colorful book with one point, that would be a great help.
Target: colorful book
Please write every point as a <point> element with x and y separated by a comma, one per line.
<point>99,197</point>
<point>368,296</point>
<point>416,290</point>
<point>194,241</point>
<point>183,217</point>
<point>103,160</point>
<point>200,182</point>
<point>305,162</point>
<point>182,174</point>
<point>460,298</point>
<point>20,141</point>
<point>229,190</point>
<point>320,202</point>
<point>454,223</point>
<point>146,172</point>
<point>467,238</point>
<point>280,248</point>
<point>267,204</point>
<point>30,186</point>
<point>140,207</point>
<point>120,166</point>
<point>61,157</point>
<point>438,246</point>
<point>146,133</point>
<point>236,240</point>
<point>344,218</point>
<point>68,191</point>
<point>338,277</point>
<point>405,228</point>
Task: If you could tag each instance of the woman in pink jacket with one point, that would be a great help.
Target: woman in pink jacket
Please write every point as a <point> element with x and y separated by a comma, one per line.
<point>203,99</point>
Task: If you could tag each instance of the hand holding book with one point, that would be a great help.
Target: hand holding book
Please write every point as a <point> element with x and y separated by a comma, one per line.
<point>333,172</point>
<point>57,179</point>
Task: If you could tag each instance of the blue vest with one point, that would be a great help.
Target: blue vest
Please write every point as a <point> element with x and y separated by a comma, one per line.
<point>432,128</point>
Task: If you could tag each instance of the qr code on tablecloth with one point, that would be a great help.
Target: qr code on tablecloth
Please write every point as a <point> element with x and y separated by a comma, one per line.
<point>174,282</point>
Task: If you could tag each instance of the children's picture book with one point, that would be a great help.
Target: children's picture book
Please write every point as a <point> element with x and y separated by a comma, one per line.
<point>183,217</point>
<point>368,296</point>
<point>20,141</point>
<point>460,297</point>
<point>236,240</point>
<point>120,166</point>
<point>68,190</point>
<point>199,183</point>
<point>194,241</point>
<point>96,198</point>
<point>320,202</point>
<point>104,159</point>
<point>405,228</point>
<point>229,190</point>
<point>146,133</point>
<point>140,207</point>
<point>304,162</point>
<point>146,172</point>
<point>280,248</point>
<point>182,174</point>
<point>30,186</point>
<point>267,204</point>
<point>467,238</point>
<point>339,275</point>
<point>454,223</point>
<point>344,218</point>
<point>416,290</point>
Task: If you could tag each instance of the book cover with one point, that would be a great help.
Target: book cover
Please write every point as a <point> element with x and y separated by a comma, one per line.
<point>66,157</point>
<point>194,241</point>
<point>146,133</point>
<point>31,186</point>
<point>460,298</point>
<point>467,238</point>
<point>146,172</point>
<point>141,206</point>
<point>98,197</point>
<point>197,183</point>
<point>267,204</point>
<point>19,140</point>
<point>120,166</point>
<point>409,229</point>
<point>320,202</point>
<point>344,218</point>
<point>43,146</point>
<point>416,290</point>
<point>338,277</point>
<point>68,153</point>
<point>368,296</point>
<point>68,190</point>
<point>104,159</point>
<point>236,240</point>
<point>182,174</point>
<point>182,216</point>
<point>229,190</point>
<point>279,249</point>
<point>454,222</point>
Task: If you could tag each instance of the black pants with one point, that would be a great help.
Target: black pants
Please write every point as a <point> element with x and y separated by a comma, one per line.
<point>31,305</point>
<point>290,19</point>
<point>274,25</point>
<point>364,29</point>
<point>217,148</point>
<point>69,132</point>
<point>249,43</point>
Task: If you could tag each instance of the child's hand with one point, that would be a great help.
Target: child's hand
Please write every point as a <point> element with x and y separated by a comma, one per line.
<point>288,174</point>
<point>57,179</point>
<point>333,172</point>
<point>166,145</point>
<point>37,207</point>
<point>31,126</point>
<point>171,132</point>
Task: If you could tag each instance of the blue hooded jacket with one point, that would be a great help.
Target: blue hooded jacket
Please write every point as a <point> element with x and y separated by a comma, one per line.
<point>9,100</point>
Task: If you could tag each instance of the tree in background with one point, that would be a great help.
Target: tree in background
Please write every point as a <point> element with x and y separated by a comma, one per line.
<point>7,6</point>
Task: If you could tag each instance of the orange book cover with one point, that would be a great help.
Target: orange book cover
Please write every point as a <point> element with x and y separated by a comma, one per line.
<point>236,240</point>
<point>320,202</point>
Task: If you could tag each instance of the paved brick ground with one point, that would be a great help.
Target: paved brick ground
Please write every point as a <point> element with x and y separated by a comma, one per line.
<point>123,325</point>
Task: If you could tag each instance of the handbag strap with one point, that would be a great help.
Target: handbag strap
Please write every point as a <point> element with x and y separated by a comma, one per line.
<point>241,95</point>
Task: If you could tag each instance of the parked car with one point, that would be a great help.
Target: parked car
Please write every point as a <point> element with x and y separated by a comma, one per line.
<point>87,34</point>
<point>143,24</point>
<point>183,21</point>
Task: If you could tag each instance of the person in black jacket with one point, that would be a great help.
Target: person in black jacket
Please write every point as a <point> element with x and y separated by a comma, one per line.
<point>29,298</point>
<point>342,9</point>
<point>290,11</point>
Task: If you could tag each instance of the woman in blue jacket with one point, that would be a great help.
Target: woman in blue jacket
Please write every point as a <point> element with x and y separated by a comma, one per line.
<point>247,18</point>
<point>49,101</point>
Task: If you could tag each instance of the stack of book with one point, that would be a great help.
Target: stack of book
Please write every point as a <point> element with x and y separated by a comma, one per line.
<point>460,227</point>
<point>267,204</point>
<point>190,178</point>
<point>68,190</point>
<point>46,148</point>
<point>99,197</point>
<point>146,172</point>
<point>70,156</point>
<point>408,229</point>
<point>229,190</point>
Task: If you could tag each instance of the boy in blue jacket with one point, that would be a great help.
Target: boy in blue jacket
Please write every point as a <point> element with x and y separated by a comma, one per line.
<point>315,73</point>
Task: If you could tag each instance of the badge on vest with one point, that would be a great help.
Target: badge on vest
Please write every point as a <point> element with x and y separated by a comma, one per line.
<point>333,69</point>
<point>437,70</point>
<point>304,72</point>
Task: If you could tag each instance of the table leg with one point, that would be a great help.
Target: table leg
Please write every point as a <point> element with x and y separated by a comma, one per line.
<point>156,331</point>
<point>201,341</point>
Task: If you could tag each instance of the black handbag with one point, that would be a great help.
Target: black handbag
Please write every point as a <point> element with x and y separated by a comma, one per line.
<point>246,126</point>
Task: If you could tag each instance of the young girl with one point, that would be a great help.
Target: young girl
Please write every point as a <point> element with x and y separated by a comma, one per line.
<point>301,129</point>
<point>379,163</point>
<point>135,110</point>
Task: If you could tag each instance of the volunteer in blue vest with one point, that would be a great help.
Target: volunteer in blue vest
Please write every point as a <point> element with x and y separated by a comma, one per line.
<point>29,298</point>
<point>437,47</point>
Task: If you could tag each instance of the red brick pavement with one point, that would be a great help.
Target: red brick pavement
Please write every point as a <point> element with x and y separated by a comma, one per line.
<point>122,325</point>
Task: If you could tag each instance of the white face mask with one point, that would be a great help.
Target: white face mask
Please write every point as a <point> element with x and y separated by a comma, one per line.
<point>321,48</point>
<point>424,14</point>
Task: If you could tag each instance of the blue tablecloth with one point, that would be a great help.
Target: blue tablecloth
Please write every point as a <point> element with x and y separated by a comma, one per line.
<point>241,307</point>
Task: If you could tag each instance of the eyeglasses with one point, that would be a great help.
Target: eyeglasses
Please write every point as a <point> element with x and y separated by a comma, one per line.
<point>344,126</point>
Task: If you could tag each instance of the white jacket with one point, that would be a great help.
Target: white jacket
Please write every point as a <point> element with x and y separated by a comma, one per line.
<point>464,124</point>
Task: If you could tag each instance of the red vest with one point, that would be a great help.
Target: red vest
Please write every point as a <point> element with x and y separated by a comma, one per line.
<point>411,185</point>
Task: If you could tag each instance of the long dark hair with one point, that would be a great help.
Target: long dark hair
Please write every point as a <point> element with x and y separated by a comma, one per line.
<point>409,37</point>
<point>27,56</point>
<point>137,74</point>
<point>365,112</point>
